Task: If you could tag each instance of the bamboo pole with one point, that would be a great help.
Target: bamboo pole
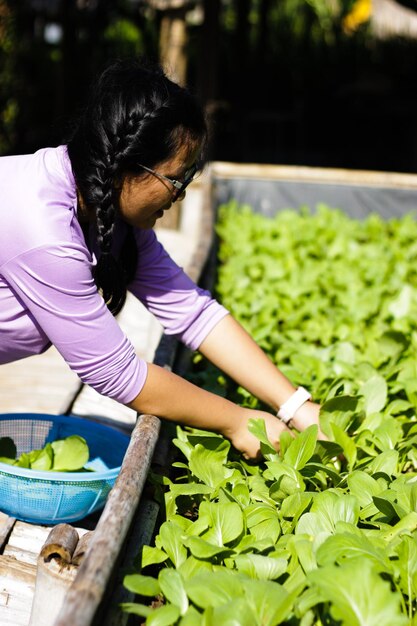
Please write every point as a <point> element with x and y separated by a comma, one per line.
<point>140,535</point>
<point>81,548</point>
<point>55,571</point>
<point>60,543</point>
<point>87,591</point>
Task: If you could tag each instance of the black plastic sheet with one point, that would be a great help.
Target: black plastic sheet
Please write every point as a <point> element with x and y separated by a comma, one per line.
<point>270,196</point>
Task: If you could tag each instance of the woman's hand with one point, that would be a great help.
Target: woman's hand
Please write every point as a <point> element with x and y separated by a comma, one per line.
<point>231,348</point>
<point>248,444</point>
<point>307,415</point>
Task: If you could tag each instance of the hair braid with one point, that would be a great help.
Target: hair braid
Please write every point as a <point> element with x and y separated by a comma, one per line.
<point>107,273</point>
<point>135,115</point>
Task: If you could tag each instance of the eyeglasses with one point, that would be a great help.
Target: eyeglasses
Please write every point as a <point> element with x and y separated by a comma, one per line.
<point>179,185</point>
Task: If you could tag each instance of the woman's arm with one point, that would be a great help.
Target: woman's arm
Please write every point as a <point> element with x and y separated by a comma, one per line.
<point>231,348</point>
<point>171,397</point>
<point>201,323</point>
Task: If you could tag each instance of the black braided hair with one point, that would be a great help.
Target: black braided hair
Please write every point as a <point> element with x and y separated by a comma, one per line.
<point>135,114</point>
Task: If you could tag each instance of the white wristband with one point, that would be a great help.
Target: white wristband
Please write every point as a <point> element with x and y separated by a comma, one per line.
<point>291,406</point>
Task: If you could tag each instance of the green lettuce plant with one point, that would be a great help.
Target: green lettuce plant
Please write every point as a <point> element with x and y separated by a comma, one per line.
<point>320,532</point>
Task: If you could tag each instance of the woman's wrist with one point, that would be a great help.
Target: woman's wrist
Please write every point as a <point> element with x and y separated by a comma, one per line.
<point>292,404</point>
<point>306,415</point>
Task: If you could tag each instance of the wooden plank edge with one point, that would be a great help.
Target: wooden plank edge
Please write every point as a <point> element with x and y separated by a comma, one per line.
<point>316,175</point>
<point>141,534</point>
<point>6,527</point>
<point>90,584</point>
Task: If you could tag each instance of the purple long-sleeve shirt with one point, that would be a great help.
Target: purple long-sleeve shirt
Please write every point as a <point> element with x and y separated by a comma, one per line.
<point>47,291</point>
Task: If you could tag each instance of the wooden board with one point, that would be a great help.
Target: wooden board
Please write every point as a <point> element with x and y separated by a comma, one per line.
<point>18,571</point>
<point>313,174</point>
<point>17,585</point>
<point>38,384</point>
<point>6,525</point>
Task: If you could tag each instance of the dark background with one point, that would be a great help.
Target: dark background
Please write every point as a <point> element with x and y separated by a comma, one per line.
<point>284,82</point>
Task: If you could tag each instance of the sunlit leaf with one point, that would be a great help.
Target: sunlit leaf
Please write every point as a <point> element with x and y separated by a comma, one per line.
<point>171,537</point>
<point>141,585</point>
<point>341,547</point>
<point>213,588</point>
<point>209,465</point>
<point>386,462</point>
<point>262,521</point>
<point>191,618</point>
<point>192,565</point>
<point>259,566</point>
<point>163,616</point>
<point>236,613</point>
<point>346,443</point>
<point>358,596</point>
<point>302,448</point>
<point>406,566</point>
<point>225,522</point>
<point>258,429</point>
<point>70,454</point>
<point>202,549</point>
<point>270,602</point>
<point>152,556</point>
<point>136,609</point>
<point>375,394</point>
<point>172,586</point>
<point>42,460</point>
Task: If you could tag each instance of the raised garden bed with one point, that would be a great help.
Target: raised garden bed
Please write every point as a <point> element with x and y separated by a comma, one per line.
<point>322,532</point>
<point>264,525</point>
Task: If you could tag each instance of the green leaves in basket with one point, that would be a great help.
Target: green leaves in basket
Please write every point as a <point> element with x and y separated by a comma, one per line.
<point>70,454</point>
<point>42,459</point>
<point>63,455</point>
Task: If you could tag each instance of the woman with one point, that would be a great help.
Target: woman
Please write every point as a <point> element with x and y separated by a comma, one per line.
<point>77,232</point>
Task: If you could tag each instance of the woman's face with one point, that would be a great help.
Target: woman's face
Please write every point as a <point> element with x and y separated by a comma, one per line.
<point>144,198</point>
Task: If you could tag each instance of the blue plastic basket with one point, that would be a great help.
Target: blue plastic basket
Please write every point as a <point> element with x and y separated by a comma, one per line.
<point>43,497</point>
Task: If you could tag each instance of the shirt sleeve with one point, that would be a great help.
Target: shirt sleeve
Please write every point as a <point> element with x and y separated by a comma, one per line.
<point>56,286</point>
<point>185,310</point>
